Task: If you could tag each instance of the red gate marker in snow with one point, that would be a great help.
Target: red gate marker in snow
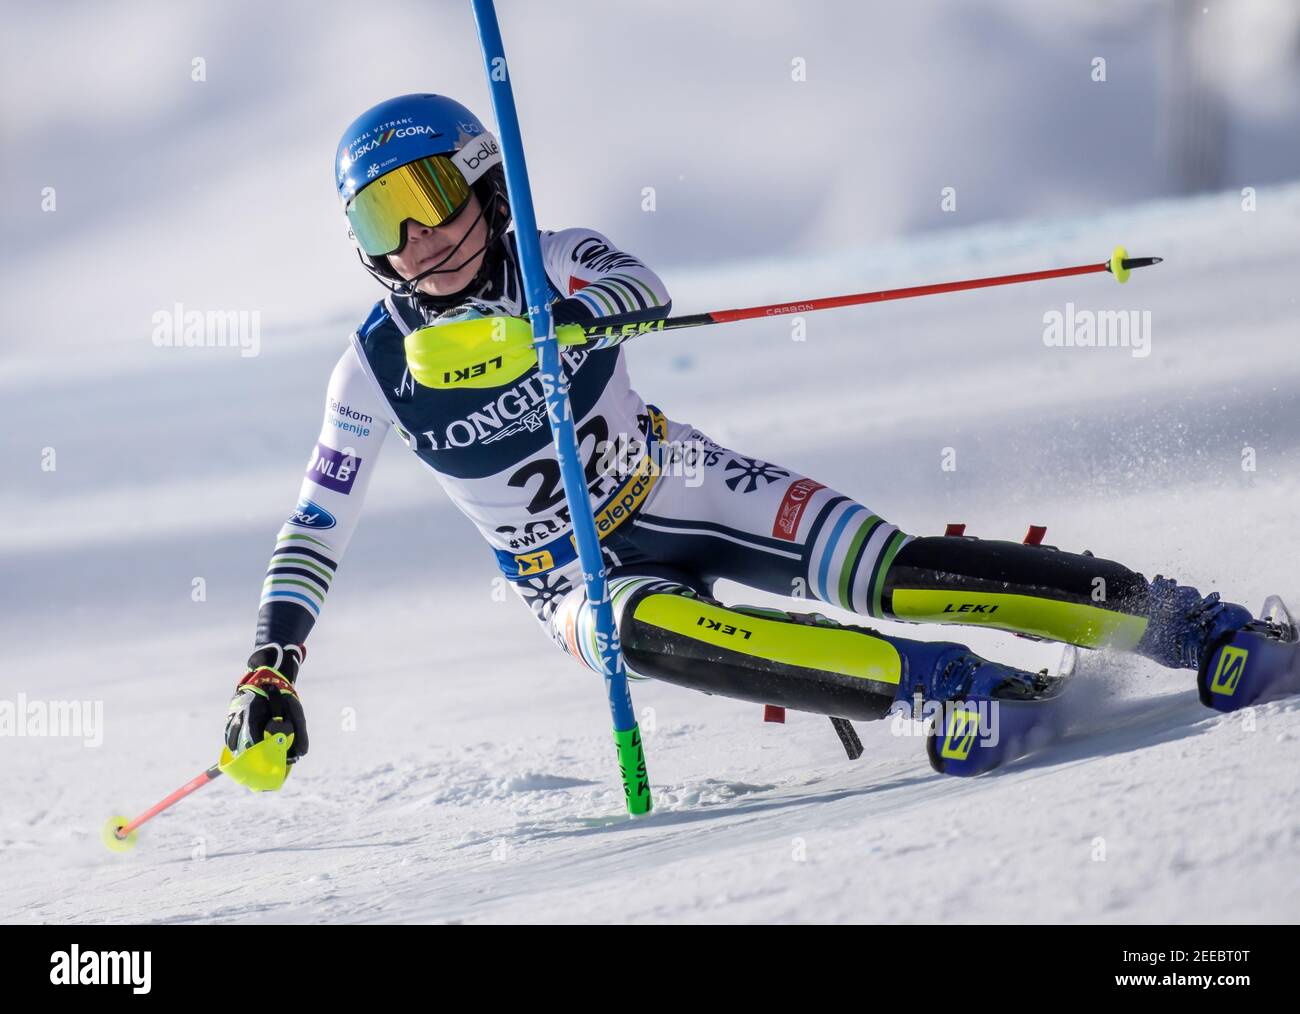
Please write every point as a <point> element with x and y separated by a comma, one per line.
<point>773,713</point>
<point>951,530</point>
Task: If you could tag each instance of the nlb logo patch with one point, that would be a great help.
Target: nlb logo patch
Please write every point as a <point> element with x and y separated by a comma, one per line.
<point>1227,674</point>
<point>311,515</point>
<point>336,470</point>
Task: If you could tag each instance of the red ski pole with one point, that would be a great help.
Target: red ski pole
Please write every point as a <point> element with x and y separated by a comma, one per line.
<point>262,767</point>
<point>477,353</point>
<point>119,833</point>
<point>1119,265</point>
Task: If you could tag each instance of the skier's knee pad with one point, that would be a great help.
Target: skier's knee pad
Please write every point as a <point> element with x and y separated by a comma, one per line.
<point>572,624</point>
<point>1034,590</point>
<point>805,662</point>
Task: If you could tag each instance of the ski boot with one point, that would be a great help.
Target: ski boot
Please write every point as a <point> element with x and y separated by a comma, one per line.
<point>946,671</point>
<point>1238,659</point>
<point>1253,663</point>
<point>1183,624</point>
<point>981,713</point>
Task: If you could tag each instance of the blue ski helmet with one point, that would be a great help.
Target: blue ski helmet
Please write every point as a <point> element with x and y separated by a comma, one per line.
<point>415,157</point>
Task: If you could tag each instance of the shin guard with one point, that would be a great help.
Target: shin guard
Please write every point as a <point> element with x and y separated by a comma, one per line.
<point>1037,591</point>
<point>805,662</point>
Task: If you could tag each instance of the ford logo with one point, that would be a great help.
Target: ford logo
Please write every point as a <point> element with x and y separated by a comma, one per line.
<point>311,515</point>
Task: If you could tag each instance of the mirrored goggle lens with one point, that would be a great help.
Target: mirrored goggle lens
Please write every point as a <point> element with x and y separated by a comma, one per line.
<point>429,191</point>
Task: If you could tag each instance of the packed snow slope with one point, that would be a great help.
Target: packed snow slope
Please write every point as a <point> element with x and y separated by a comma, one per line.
<point>461,768</point>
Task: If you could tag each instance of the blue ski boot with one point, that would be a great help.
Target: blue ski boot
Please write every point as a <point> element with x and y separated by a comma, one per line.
<point>1255,663</point>
<point>1183,625</point>
<point>1238,659</point>
<point>946,671</point>
<point>983,713</point>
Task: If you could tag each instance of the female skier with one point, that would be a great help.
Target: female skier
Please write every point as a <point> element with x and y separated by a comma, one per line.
<point>423,189</point>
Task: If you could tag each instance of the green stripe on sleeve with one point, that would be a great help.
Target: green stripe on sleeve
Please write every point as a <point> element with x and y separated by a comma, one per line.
<point>276,582</point>
<point>855,548</point>
<point>890,551</point>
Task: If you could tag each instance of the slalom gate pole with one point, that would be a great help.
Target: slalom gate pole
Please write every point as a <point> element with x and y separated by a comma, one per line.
<point>555,383</point>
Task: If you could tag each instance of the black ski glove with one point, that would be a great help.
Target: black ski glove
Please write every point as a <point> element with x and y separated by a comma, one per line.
<point>572,311</point>
<point>471,309</point>
<point>265,693</point>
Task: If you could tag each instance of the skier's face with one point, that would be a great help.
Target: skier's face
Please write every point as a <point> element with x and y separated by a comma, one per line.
<point>425,246</point>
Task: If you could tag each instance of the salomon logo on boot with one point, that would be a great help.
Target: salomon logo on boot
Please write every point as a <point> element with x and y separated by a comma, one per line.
<point>1259,662</point>
<point>1227,674</point>
<point>962,728</point>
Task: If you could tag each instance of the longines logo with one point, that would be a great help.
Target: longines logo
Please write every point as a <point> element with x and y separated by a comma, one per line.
<point>520,408</point>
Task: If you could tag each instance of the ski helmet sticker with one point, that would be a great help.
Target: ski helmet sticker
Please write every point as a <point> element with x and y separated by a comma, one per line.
<point>478,156</point>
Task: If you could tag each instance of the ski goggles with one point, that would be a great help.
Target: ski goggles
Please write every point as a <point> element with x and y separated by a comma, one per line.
<point>429,190</point>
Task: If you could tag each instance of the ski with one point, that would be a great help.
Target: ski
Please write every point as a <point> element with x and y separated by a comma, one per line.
<point>1258,663</point>
<point>971,737</point>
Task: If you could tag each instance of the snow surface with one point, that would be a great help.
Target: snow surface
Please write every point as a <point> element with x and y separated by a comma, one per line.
<point>479,783</point>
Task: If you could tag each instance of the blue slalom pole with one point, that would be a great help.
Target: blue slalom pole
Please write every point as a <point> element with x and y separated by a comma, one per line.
<point>550,369</point>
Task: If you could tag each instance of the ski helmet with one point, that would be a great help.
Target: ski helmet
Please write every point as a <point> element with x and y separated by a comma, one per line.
<point>418,157</point>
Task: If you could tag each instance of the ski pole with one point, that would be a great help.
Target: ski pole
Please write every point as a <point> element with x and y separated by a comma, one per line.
<point>491,351</point>
<point>262,767</point>
<point>1119,265</point>
<point>119,833</point>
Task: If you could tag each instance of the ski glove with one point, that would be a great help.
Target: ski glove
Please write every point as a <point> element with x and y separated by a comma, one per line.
<point>471,309</point>
<point>264,693</point>
<point>563,311</point>
<point>572,311</point>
